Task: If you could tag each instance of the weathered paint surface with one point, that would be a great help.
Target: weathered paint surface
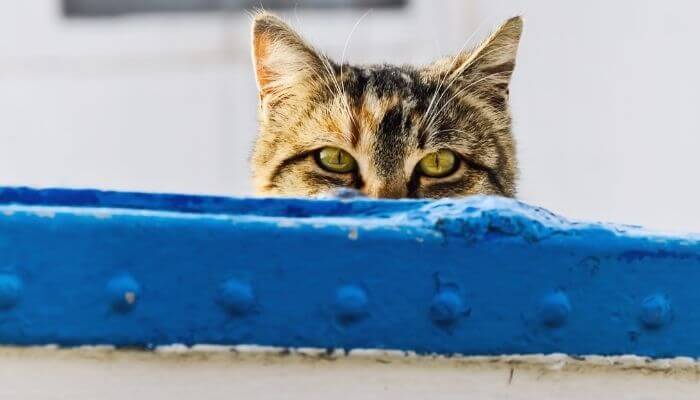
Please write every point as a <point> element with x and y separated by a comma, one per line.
<point>477,276</point>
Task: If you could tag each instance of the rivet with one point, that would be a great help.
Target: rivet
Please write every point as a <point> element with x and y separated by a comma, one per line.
<point>351,303</point>
<point>124,291</point>
<point>10,290</point>
<point>555,309</point>
<point>446,307</point>
<point>656,311</point>
<point>237,297</point>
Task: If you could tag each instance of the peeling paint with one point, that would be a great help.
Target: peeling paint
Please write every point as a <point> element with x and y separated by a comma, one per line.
<point>549,362</point>
<point>46,213</point>
<point>285,223</point>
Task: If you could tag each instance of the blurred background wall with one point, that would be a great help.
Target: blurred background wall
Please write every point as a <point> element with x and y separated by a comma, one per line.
<point>157,95</point>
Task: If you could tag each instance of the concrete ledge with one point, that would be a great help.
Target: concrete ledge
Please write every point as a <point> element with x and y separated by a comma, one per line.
<point>478,276</point>
<point>244,372</point>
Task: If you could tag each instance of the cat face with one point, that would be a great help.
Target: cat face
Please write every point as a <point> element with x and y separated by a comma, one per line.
<point>440,130</point>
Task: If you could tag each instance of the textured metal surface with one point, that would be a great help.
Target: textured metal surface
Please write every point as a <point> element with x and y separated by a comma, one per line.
<point>477,276</point>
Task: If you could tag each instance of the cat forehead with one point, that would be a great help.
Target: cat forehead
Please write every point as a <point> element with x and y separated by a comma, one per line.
<point>389,75</point>
<point>376,106</point>
<point>386,80</point>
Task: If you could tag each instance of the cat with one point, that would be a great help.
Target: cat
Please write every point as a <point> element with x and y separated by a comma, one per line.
<point>440,130</point>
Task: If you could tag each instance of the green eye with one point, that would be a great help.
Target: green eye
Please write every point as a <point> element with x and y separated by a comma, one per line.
<point>438,164</point>
<point>335,160</point>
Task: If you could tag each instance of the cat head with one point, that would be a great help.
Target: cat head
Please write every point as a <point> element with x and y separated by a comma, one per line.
<point>440,130</point>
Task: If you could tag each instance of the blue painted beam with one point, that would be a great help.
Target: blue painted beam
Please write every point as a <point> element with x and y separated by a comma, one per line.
<point>476,276</point>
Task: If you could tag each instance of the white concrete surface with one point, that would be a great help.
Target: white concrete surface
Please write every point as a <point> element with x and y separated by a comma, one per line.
<point>604,98</point>
<point>104,374</point>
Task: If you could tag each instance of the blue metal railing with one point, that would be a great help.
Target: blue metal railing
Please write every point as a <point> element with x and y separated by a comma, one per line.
<point>475,276</point>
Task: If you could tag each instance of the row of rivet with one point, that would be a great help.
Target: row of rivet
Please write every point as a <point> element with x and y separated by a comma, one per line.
<point>351,302</point>
<point>655,310</point>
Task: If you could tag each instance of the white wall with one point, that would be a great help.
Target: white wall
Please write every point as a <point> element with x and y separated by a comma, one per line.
<point>606,105</point>
<point>604,98</point>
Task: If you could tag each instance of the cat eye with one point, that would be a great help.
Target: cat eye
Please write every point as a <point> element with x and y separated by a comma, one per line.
<point>334,159</point>
<point>438,164</point>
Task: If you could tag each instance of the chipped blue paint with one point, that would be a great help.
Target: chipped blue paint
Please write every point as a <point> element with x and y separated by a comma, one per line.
<point>476,276</point>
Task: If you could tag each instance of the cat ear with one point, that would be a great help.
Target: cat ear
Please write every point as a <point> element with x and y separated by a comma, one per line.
<point>494,60</point>
<point>281,58</point>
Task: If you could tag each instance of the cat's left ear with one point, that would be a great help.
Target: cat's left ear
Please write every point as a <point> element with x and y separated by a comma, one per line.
<point>494,60</point>
<point>284,63</point>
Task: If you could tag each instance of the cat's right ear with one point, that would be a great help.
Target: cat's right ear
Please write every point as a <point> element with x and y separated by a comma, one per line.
<point>491,63</point>
<point>284,63</point>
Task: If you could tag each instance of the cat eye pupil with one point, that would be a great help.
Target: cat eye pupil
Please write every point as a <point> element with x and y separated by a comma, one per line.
<point>336,160</point>
<point>438,164</point>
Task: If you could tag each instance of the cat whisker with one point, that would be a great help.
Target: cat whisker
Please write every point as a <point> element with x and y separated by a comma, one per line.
<point>447,72</point>
<point>321,78</point>
<point>495,49</point>
<point>342,63</point>
<point>335,134</point>
<point>461,91</point>
<point>459,71</point>
<point>339,92</point>
<point>469,62</point>
<point>324,60</point>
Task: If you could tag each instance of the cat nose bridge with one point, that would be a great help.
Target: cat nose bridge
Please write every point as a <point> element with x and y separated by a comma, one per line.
<point>386,190</point>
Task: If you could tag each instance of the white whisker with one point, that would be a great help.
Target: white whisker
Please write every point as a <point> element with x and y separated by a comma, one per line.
<point>340,92</point>
<point>342,62</point>
<point>460,92</point>
<point>447,72</point>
